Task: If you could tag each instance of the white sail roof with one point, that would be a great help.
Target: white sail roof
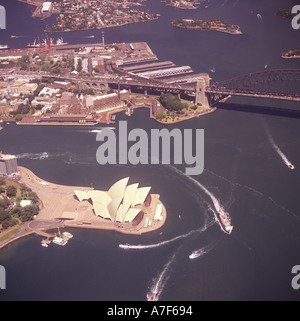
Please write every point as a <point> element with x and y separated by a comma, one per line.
<point>113,206</point>
<point>130,192</point>
<point>141,195</point>
<point>131,214</point>
<point>117,204</point>
<point>122,211</point>
<point>101,210</point>
<point>118,188</point>
<point>81,195</point>
<point>99,197</point>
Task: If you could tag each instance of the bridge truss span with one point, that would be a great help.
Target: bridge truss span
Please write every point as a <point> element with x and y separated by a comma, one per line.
<point>275,84</point>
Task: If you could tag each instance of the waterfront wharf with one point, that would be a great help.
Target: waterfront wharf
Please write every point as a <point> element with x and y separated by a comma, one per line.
<point>151,66</point>
<point>189,79</point>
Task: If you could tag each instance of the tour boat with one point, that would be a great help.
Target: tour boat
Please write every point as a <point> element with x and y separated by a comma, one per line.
<point>224,221</point>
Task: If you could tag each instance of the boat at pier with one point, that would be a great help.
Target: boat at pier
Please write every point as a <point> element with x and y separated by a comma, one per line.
<point>59,42</point>
<point>4,47</point>
<point>68,235</point>
<point>60,240</point>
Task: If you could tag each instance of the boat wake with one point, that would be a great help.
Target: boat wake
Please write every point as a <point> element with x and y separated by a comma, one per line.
<point>204,250</point>
<point>283,157</point>
<point>277,149</point>
<point>215,201</point>
<point>151,246</point>
<point>280,153</point>
<point>220,210</point>
<point>255,191</point>
<point>160,281</point>
<point>33,155</point>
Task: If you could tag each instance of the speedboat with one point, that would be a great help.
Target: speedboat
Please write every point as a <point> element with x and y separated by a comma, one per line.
<point>152,297</point>
<point>193,255</point>
<point>291,166</point>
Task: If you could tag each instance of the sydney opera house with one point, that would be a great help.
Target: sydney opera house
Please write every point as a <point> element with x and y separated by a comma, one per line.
<point>122,203</point>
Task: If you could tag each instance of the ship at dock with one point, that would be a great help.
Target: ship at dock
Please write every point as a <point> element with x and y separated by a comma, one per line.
<point>4,47</point>
<point>51,43</point>
<point>59,239</point>
<point>224,221</point>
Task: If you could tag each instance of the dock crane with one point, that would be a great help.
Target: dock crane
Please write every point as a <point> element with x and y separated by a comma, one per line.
<point>42,48</point>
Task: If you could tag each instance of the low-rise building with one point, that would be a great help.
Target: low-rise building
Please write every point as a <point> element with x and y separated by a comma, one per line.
<point>48,91</point>
<point>21,87</point>
<point>47,7</point>
<point>4,106</point>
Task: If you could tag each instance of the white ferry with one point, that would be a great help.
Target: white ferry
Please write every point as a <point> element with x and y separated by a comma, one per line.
<point>224,221</point>
<point>68,235</point>
<point>59,241</point>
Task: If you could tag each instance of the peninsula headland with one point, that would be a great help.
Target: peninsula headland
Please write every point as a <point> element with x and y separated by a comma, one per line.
<point>60,207</point>
<point>211,25</point>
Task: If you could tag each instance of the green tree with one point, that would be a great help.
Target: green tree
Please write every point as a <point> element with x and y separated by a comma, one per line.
<point>11,191</point>
<point>24,62</point>
<point>18,117</point>
<point>23,109</point>
<point>3,215</point>
<point>160,115</point>
<point>4,203</point>
<point>28,213</point>
<point>171,102</point>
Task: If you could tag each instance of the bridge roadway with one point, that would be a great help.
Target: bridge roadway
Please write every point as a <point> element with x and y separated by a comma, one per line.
<point>248,93</point>
<point>138,82</point>
<point>129,81</point>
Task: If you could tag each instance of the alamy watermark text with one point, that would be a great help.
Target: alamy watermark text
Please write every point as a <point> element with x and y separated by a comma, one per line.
<point>2,278</point>
<point>188,147</point>
<point>296,19</point>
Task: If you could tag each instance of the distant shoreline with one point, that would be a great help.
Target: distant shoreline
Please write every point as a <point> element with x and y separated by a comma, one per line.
<point>209,26</point>
<point>97,28</point>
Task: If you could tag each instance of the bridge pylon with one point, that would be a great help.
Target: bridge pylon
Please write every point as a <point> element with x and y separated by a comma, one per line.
<point>201,97</point>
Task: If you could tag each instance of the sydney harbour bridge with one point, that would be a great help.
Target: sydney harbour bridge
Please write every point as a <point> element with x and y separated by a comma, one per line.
<point>283,84</point>
<point>280,84</point>
<point>272,84</point>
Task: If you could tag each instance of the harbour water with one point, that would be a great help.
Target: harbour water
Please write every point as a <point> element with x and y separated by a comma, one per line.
<point>243,173</point>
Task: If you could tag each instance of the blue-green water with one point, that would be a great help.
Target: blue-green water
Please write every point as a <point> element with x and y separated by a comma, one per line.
<point>243,171</point>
